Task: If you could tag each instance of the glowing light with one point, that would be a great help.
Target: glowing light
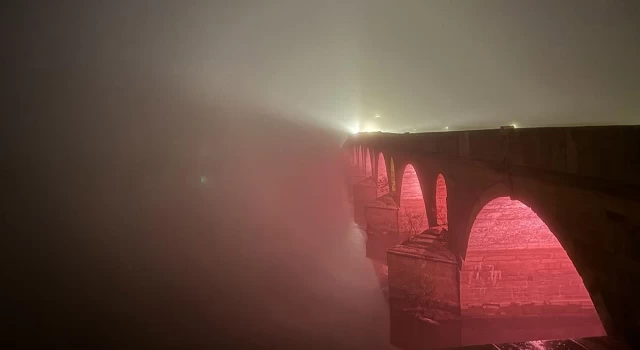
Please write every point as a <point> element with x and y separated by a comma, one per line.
<point>377,115</point>
<point>371,127</point>
<point>203,179</point>
<point>354,129</point>
<point>446,128</point>
<point>514,126</point>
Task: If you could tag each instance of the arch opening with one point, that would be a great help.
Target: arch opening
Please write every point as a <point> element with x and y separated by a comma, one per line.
<point>354,156</point>
<point>412,214</point>
<point>515,269</point>
<point>383,179</point>
<point>392,176</point>
<point>368,169</point>
<point>441,201</point>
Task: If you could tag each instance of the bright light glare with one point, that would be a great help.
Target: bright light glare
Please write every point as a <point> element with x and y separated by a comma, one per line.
<point>371,126</point>
<point>354,129</point>
<point>377,115</point>
<point>446,128</point>
<point>514,126</point>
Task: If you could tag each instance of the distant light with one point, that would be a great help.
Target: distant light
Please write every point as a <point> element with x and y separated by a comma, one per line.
<point>514,126</point>
<point>203,179</point>
<point>446,128</point>
<point>377,115</point>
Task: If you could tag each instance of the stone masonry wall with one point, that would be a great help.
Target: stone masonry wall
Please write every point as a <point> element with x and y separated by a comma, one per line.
<point>382,221</point>
<point>363,193</point>
<point>368,169</point>
<point>412,214</point>
<point>409,275</point>
<point>515,266</point>
<point>507,224</point>
<point>441,201</point>
<point>515,282</point>
<point>383,179</point>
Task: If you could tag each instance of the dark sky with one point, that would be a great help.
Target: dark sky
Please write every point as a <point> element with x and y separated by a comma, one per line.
<point>417,64</point>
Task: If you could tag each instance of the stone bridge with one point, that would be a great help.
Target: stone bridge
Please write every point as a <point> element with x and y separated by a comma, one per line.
<point>574,192</point>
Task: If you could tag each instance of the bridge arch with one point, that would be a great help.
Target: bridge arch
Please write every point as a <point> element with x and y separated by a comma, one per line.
<point>368,167</point>
<point>441,201</point>
<point>382,179</point>
<point>392,176</point>
<point>354,153</point>
<point>515,266</point>
<point>412,213</point>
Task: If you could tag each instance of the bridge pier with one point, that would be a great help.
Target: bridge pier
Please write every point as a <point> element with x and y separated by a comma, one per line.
<point>423,281</point>
<point>363,193</point>
<point>354,175</point>
<point>381,217</point>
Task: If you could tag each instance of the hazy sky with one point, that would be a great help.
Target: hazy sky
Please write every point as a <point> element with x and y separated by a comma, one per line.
<point>417,64</point>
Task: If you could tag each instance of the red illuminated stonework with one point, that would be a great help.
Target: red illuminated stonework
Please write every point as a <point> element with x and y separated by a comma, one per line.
<point>515,266</point>
<point>383,180</point>
<point>412,216</point>
<point>441,201</point>
<point>581,181</point>
<point>368,168</point>
<point>392,176</point>
<point>354,158</point>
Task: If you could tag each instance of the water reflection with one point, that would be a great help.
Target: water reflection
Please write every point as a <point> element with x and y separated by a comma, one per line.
<point>598,343</point>
<point>542,345</point>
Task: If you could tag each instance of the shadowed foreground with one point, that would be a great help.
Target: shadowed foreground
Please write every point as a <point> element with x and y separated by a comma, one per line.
<point>160,223</point>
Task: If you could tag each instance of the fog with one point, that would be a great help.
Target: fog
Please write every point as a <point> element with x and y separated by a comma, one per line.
<point>171,170</point>
<point>418,65</point>
<point>164,223</point>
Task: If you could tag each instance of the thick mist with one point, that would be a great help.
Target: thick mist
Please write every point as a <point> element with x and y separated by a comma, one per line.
<point>139,216</point>
<point>420,65</point>
<point>139,212</point>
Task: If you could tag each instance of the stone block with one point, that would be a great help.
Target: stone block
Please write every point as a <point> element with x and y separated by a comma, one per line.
<point>382,216</point>
<point>473,258</point>
<point>423,273</point>
<point>500,258</point>
<point>532,309</point>
<point>554,309</point>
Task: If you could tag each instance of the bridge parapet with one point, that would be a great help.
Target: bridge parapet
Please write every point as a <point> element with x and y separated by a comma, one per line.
<point>611,153</point>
